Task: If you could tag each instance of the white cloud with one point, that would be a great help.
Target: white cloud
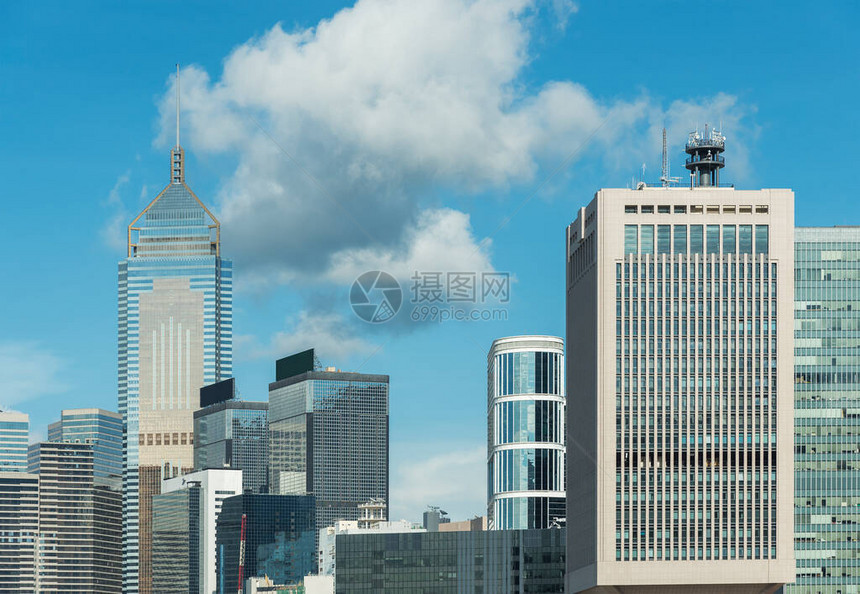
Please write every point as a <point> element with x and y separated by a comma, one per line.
<point>343,131</point>
<point>453,479</point>
<point>28,371</point>
<point>329,333</point>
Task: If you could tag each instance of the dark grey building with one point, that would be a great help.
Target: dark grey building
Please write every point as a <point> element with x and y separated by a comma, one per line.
<point>234,434</point>
<point>488,562</point>
<point>328,437</point>
<point>279,538</point>
<point>175,541</point>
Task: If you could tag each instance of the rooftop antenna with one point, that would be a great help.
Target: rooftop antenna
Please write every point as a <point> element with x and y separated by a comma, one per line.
<point>665,179</point>
<point>177,105</point>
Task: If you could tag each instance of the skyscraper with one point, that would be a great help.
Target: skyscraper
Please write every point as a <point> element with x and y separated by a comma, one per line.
<point>14,437</point>
<point>175,335</point>
<point>279,539</point>
<point>328,437</point>
<point>207,489</point>
<point>525,438</point>
<point>680,385</point>
<point>234,434</point>
<point>19,527</point>
<point>101,428</point>
<point>827,410</point>
<point>79,521</point>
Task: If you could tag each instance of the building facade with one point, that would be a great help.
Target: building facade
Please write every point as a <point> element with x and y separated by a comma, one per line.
<point>525,437</point>
<point>176,543</point>
<point>175,336</point>
<point>101,428</point>
<point>79,521</point>
<point>210,488</point>
<point>497,561</point>
<point>827,410</point>
<point>327,557</point>
<point>14,439</point>
<point>19,527</point>
<point>680,379</point>
<point>234,434</point>
<point>328,437</point>
<point>279,538</point>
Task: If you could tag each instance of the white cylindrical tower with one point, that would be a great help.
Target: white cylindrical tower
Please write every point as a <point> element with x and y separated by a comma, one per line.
<point>526,432</point>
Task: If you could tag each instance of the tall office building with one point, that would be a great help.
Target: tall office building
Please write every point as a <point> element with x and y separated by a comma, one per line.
<point>19,531</point>
<point>279,539</point>
<point>827,410</point>
<point>206,491</point>
<point>79,521</point>
<point>234,434</point>
<point>328,437</point>
<point>680,382</point>
<point>101,428</point>
<point>175,335</point>
<point>14,438</point>
<point>525,437</point>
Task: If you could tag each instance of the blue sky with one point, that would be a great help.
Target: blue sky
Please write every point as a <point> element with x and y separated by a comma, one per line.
<point>410,136</point>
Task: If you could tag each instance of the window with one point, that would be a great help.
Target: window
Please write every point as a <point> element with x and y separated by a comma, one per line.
<point>647,210</point>
<point>664,239</point>
<point>730,209</point>
<point>729,239</point>
<point>696,209</point>
<point>680,239</point>
<point>680,210</point>
<point>713,209</point>
<point>745,239</point>
<point>761,209</point>
<point>745,209</point>
<point>631,239</point>
<point>696,239</point>
<point>663,209</point>
<point>761,239</point>
<point>647,245</point>
<point>713,239</point>
<point>631,208</point>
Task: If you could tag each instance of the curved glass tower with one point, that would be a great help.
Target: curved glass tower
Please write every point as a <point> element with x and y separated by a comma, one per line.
<point>526,436</point>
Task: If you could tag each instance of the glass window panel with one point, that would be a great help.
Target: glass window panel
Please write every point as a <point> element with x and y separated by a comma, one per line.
<point>745,239</point>
<point>631,239</point>
<point>713,239</point>
<point>697,239</point>
<point>664,239</point>
<point>761,239</point>
<point>729,239</point>
<point>647,245</point>
<point>680,239</point>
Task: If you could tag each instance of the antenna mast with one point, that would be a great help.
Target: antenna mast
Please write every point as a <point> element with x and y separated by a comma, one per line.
<point>664,178</point>
<point>177,105</point>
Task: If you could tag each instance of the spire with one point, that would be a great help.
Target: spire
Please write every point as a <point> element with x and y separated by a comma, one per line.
<point>177,155</point>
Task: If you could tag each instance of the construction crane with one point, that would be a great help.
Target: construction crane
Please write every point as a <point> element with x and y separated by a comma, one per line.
<point>242,553</point>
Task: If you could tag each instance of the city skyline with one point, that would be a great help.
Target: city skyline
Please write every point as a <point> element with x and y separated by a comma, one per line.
<point>74,354</point>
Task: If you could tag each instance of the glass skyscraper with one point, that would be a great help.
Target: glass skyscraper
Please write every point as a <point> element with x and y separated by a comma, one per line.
<point>680,387</point>
<point>502,561</point>
<point>328,437</point>
<point>14,438</point>
<point>175,336</point>
<point>19,527</point>
<point>279,538</point>
<point>234,434</point>
<point>526,438</point>
<point>101,428</point>
<point>827,410</point>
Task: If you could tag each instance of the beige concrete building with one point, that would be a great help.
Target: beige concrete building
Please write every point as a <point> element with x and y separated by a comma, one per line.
<point>680,386</point>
